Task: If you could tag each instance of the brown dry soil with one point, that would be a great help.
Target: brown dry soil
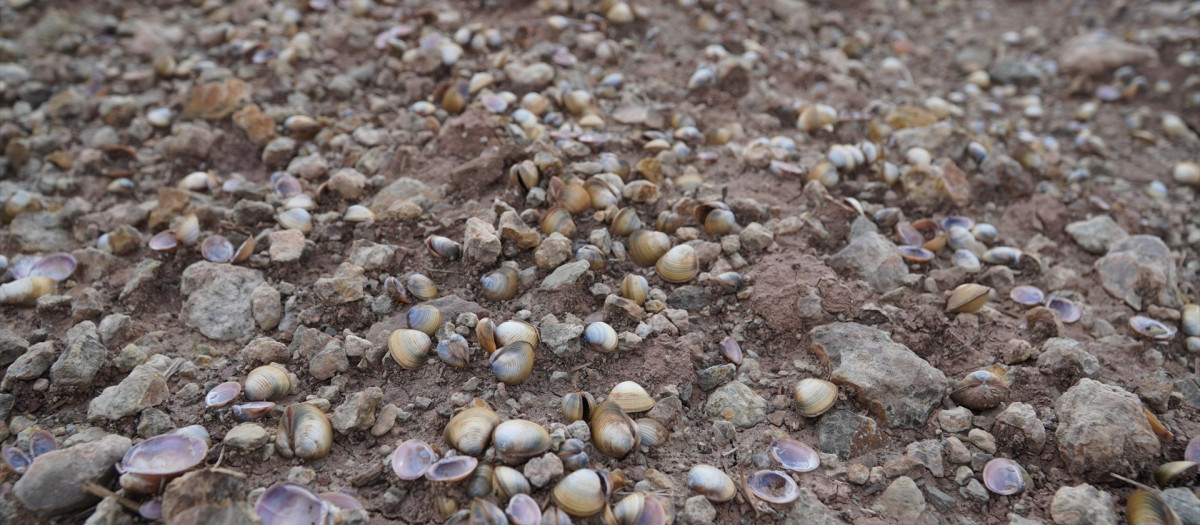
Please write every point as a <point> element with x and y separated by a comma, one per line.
<point>659,55</point>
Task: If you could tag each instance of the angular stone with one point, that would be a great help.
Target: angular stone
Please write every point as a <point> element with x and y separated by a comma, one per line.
<point>754,237</point>
<point>1066,358</point>
<point>82,358</point>
<point>894,383</point>
<point>1082,505</point>
<point>1102,429</point>
<point>246,437</point>
<point>847,434</point>
<point>688,297</point>
<point>737,403</point>
<point>346,285</point>
<point>218,299</point>
<point>1018,428</point>
<point>1097,234</point>
<point>902,500</point>
<point>12,346</point>
<point>347,183</point>
<point>372,256</point>
<point>956,419</point>
<point>357,412</point>
<point>31,364</point>
<point>1140,271</point>
<point>561,338</point>
<point>266,305</point>
<point>202,489</point>
<point>541,471</point>
<point>871,257</point>
<point>264,350</point>
<point>565,275</point>
<point>285,245</point>
<point>715,376</point>
<point>512,228</point>
<point>330,361</point>
<point>480,243</point>
<point>1185,504</point>
<point>144,387</point>
<point>808,510</point>
<point>40,231</point>
<point>553,251</point>
<point>698,510</point>
<point>929,453</point>
<point>53,484</point>
<point>1099,52</point>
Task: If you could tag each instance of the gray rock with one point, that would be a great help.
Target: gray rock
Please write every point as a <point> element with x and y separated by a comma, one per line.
<point>975,491</point>
<point>218,299</point>
<point>346,285</point>
<point>144,387</point>
<point>715,376</point>
<point>698,510</point>
<point>144,272</point>
<point>385,420</point>
<point>82,358</point>
<point>929,453</point>
<point>1185,504</point>
<point>666,410</point>
<point>251,212</point>
<point>1019,428</point>
<point>480,243</point>
<point>110,512</point>
<point>983,440</point>
<point>31,364</point>
<point>565,275</point>
<point>808,510</point>
<point>871,257</point>
<point>561,338</point>
<point>310,167</point>
<point>40,231</point>
<point>1096,234</point>
<point>264,350</point>
<point>111,327</point>
<point>154,422</point>
<point>688,297</point>
<point>266,306</point>
<point>513,229</point>
<point>541,471</point>
<point>1102,430</point>
<point>902,500</point>
<point>285,245</point>
<point>1099,52</point>
<point>246,437</point>
<point>53,484</point>
<point>12,346</point>
<point>1066,358</point>
<point>372,256</point>
<point>941,139</point>
<point>1082,505</point>
<point>847,434</point>
<point>755,237</point>
<point>1140,271</point>
<point>532,77</point>
<point>348,183</point>
<point>957,419</point>
<point>552,252</point>
<point>940,500</point>
<point>279,151</point>
<point>357,412</point>
<point>737,403</point>
<point>1009,70</point>
<point>896,384</point>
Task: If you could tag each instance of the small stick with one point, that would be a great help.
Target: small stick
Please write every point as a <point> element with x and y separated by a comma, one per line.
<point>101,491</point>
<point>1134,483</point>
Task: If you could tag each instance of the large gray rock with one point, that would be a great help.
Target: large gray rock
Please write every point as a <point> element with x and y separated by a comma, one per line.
<point>847,434</point>
<point>736,403</point>
<point>144,387</point>
<point>1099,52</point>
<point>1140,271</point>
<point>1082,505</point>
<point>218,299</point>
<point>1185,504</point>
<point>40,231</point>
<point>1066,358</point>
<point>12,346</point>
<point>31,364</point>
<point>53,484</point>
<point>894,383</point>
<point>1101,430</point>
<point>871,257</point>
<point>1096,234</point>
<point>565,275</point>
<point>82,358</point>
<point>560,338</point>
<point>808,510</point>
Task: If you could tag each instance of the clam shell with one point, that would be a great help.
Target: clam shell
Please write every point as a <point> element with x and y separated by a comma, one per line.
<point>678,265</point>
<point>555,516</point>
<point>412,458</point>
<point>1168,473</point>
<point>358,213</point>
<point>424,317</point>
<point>602,193</point>
<point>592,255</point>
<point>512,363</point>
<point>303,201</point>
<point>454,351</point>
<point>1189,320</point>
<point>295,219</point>
<point>573,454</point>
<point>581,493</point>
<point>967,260</point>
<point>732,281</point>
<point>57,266</point>
<point>719,222</point>
<point>773,486</point>
<point>558,219</point>
<point>421,287</point>
<point>981,390</point>
<point>651,433</point>
<point>646,246</point>
<point>814,396</point>
<point>614,433</point>
<point>508,482</point>
<point>480,485</point>
<point>485,331</point>
<point>1147,327</point>
<point>667,222</point>
<point>512,331</point>
<point>635,288</point>
<point>222,394</point>
<point>244,251</point>
<point>631,397</point>
<point>160,458</point>
<point>1192,452</point>
<point>453,468</point>
<point>524,175</point>
<point>517,440</point>
<point>573,197</point>
<point>305,432</point>
<point>268,383</point>
<point>731,350</point>
<point>1066,308</point>
<point>1005,477</point>
<point>1027,295</point>
<point>444,247</point>
<point>26,290</point>
<point>967,298</point>
<point>499,284</point>
<point>163,241</point>
<point>794,455</point>
<point>252,410</point>
<point>188,231</point>
<point>40,443</point>
<point>470,431</point>
<point>916,254</point>
<point>285,184</point>
<point>641,508</point>
<point>625,222</point>
<point>710,482</point>
<point>1005,255</point>
<point>16,460</point>
<point>523,510</point>
<point>287,503</point>
<point>409,348</point>
<point>817,117</point>
<point>577,406</point>
<point>1147,508</point>
<point>600,337</point>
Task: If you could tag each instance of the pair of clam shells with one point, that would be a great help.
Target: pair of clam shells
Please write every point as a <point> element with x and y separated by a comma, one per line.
<point>18,461</point>
<point>415,459</point>
<point>444,247</point>
<point>414,286</point>
<point>304,431</point>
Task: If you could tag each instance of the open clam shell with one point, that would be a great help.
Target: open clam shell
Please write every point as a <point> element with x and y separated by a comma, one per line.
<point>1027,295</point>
<point>773,486</point>
<point>1005,477</point>
<point>1150,328</point>
<point>412,458</point>
<point>523,510</point>
<point>453,468</point>
<point>287,504</point>
<point>222,394</point>
<point>795,455</point>
<point>731,350</point>
<point>147,465</point>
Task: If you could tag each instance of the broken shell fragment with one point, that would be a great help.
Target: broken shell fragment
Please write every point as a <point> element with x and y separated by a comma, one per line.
<point>710,482</point>
<point>26,290</point>
<point>1174,471</point>
<point>1005,477</point>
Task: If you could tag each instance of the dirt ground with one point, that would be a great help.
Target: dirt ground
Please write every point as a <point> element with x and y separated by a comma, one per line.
<point>864,58</point>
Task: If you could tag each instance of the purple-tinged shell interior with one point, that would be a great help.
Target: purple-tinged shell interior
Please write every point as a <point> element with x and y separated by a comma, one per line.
<point>1027,295</point>
<point>164,455</point>
<point>1192,452</point>
<point>163,241</point>
<point>916,253</point>
<point>57,266</point>
<point>252,410</point>
<point>216,248</point>
<point>151,510</point>
<point>16,460</point>
<point>523,510</point>
<point>773,486</point>
<point>1151,328</point>
<point>41,442</point>
<point>731,350</point>
<point>957,220</point>
<point>287,504</point>
<point>285,184</point>
<point>452,468</point>
<point>1066,308</point>
<point>195,432</point>
<point>794,455</point>
<point>412,459</point>
<point>909,235</point>
<point>223,394</point>
<point>341,500</point>
<point>1004,477</point>
<point>22,265</point>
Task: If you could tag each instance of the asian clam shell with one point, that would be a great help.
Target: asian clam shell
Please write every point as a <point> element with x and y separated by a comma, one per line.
<point>1005,477</point>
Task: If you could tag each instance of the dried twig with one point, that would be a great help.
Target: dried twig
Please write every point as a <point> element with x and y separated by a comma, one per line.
<point>100,491</point>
